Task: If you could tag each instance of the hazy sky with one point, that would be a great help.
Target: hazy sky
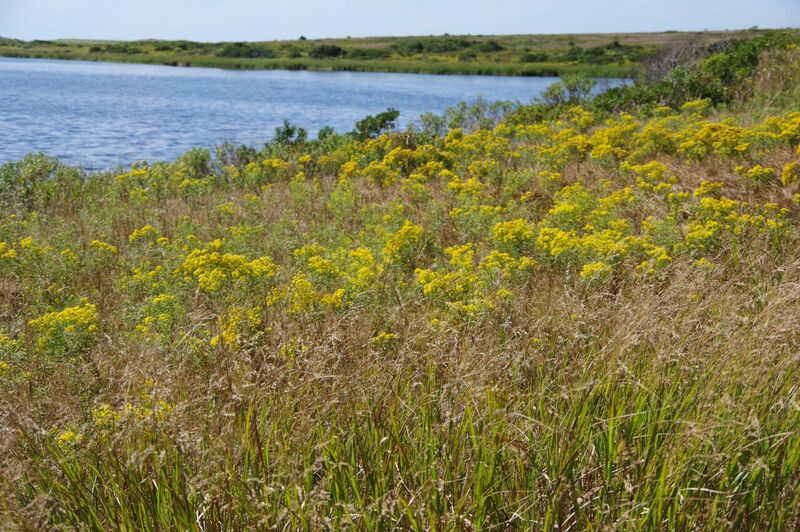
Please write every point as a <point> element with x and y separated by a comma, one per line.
<point>218,20</point>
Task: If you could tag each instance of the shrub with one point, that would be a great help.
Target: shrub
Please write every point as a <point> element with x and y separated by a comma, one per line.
<point>245,50</point>
<point>368,53</point>
<point>571,90</point>
<point>289,134</point>
<point>326,51</point>
<point>67,331</point>
<point>372,126</point>
<point>535,57</point>
<point>488,47</point>
<point>432,45</point>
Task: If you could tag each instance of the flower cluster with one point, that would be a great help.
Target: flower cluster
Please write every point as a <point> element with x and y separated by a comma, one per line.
<point>66,331</point>
<point>213,270</point>
<point>460,225</point>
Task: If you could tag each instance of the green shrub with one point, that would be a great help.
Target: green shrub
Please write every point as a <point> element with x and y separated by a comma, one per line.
<point>245,50</point>
<point>372,126</point>
<point>368,53</point>
<point>326,51</point>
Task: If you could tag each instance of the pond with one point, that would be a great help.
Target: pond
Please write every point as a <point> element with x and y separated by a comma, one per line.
<point>100,115</point>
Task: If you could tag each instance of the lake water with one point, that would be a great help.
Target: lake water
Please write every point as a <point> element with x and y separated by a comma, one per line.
<point>101,115</point>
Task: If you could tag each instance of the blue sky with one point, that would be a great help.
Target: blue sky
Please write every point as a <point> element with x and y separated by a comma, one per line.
<point>218,20</point>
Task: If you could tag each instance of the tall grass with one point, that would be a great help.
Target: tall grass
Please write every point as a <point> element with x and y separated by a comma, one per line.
<point>645,412</point>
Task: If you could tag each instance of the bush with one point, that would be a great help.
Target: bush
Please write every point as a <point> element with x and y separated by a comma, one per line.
<point>293,51</point>
<point>466,56</point>
<point>245,50</point>
<point>122,48</point>
<point>325,51</point>
<point>571,90</point>
<point>488,47</point>
<point>289,134</point>
<point>372,126</point>
<point>196,163</point>
<point>432,45</point>
<point>535,57</point>
<point>368,53</point>
<point>722,72</point>
<point>614,52</point>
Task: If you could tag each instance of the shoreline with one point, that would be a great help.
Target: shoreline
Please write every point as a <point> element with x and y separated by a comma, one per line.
<point>542,70</point>
<point>598,55</point>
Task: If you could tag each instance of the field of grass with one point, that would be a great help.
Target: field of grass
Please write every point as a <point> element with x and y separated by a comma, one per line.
<point>600,55</point>
<point>583,321</point>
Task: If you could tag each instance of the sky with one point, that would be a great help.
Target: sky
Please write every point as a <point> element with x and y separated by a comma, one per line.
<point>256,20</point>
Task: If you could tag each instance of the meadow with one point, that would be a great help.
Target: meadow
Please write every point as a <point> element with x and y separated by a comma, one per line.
<point>596,55</point>
<point>577,314</point>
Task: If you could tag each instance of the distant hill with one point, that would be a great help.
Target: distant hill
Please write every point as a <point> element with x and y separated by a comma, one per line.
<point>595,54</point>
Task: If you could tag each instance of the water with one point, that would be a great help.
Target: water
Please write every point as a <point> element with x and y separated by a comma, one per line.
<point>100,115</point>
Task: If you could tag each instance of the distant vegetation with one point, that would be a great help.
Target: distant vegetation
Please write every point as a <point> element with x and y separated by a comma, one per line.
<point>325,51</point>
<point>619,55</point>
<point>245,50</point>
<point>575,314</point>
